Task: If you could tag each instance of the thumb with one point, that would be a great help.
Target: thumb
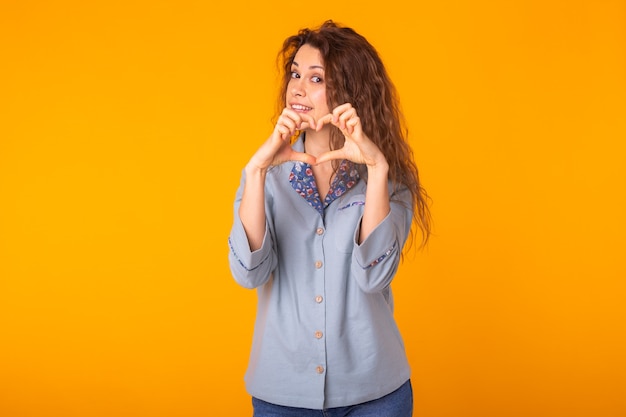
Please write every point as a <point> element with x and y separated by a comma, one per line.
<point>304,157</point>
<point>329,156</point>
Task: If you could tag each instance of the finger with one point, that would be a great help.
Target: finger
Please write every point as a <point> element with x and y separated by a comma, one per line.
<point>298,119</point>
<point>287,122</point>
<point>324,120</point>
<point>338,114</point>
<point>345,116</point>
<point>283,132</point>
<point>302,126</point>
<point>306,121</point>
<point>342,108</point>
<point>352,124</point>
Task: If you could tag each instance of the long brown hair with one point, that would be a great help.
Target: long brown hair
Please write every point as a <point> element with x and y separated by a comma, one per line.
<point>354,73</point>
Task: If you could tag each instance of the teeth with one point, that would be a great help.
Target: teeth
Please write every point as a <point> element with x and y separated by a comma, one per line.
<point>300,107</point>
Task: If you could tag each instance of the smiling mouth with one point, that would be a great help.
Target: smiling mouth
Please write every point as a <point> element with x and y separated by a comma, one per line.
<point>300,107</point>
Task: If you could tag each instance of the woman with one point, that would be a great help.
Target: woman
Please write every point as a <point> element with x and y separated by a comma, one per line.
<point>322,214</point>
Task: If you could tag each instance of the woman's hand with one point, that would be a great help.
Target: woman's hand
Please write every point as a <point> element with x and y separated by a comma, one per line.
<point>277,149</point>
<point>357,147</point>
<point>360,149</point>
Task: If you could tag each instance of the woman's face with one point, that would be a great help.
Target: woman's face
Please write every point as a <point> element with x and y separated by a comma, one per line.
<point>306,91</point>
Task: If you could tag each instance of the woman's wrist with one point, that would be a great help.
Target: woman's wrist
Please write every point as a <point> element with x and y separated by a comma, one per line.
<point>379,168</point>
<point>252,169</point>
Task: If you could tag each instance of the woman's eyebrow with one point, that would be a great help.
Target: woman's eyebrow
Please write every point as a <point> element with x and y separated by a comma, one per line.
<point>311,67</point>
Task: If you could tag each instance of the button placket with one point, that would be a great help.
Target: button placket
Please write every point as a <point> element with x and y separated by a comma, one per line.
<point>318,298</point>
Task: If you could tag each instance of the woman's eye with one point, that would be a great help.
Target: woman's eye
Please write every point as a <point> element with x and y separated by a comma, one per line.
<point>295,74</point>
<point>316,79</point>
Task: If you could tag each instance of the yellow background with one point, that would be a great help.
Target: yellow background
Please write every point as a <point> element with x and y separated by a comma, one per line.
<point>124,126</point>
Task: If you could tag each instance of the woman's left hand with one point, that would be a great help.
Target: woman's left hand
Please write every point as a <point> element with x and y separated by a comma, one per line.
<point>357,147</point>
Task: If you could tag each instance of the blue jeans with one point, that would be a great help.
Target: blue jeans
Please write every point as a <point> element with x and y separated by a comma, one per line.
<point>397,404</point>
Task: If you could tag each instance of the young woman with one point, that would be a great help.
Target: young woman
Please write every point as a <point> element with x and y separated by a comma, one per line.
<point>321,217</point>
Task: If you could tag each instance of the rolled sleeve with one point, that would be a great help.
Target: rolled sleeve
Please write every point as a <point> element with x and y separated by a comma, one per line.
<point>376,260</point>
<point>250,269</point>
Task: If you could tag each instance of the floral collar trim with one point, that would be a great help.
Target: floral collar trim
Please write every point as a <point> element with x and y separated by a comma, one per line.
<point>303,182</point>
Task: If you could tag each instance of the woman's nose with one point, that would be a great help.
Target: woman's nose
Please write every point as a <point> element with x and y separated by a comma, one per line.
<point>297,89</point>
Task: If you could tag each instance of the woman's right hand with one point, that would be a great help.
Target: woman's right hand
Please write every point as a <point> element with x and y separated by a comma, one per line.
<point>277,148</point>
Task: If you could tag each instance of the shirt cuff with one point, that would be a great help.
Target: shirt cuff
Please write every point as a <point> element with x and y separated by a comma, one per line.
<point>379,245</point>
<point>240,247</point>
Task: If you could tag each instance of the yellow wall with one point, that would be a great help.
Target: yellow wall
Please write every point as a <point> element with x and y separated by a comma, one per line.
<point>123,130</point>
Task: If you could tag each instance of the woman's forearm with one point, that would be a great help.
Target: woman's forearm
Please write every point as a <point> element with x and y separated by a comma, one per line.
<point>376,199</point>
<point>252,206</point>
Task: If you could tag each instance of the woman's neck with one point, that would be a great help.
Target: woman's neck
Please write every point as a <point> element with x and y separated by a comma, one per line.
<point>316,143</point>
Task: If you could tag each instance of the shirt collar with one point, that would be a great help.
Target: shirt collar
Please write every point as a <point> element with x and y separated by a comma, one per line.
<point>303,181</point>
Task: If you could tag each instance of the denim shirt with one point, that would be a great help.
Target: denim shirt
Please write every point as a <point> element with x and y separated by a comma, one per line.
<point>324,334</point>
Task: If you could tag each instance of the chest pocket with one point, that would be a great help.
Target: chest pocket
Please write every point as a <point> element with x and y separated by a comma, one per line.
<point>346,219</point>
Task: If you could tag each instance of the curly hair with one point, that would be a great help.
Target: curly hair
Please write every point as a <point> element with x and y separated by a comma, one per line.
<point>354,73</point>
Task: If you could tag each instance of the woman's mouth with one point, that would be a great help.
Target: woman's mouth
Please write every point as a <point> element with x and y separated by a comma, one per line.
<point>300,107</point>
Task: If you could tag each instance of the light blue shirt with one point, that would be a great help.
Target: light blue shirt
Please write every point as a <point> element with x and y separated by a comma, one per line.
<point>324,334</point>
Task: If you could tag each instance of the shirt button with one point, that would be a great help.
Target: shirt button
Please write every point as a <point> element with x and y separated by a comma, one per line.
<point>319,231</point>
<point>318,264</point>
<point>319,369</point>
<point>318,334</point>
<point>319,299</point>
